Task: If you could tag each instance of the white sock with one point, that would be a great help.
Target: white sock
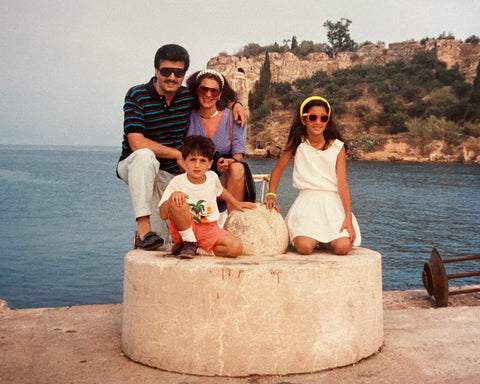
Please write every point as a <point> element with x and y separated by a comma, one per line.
<point>188,235</point>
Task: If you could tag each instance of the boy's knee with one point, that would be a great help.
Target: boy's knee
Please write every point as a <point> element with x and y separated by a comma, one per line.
<point>236,248</point>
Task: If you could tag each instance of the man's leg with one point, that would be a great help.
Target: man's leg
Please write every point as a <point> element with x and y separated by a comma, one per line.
<point>158,225</point>
<point>139,171</point>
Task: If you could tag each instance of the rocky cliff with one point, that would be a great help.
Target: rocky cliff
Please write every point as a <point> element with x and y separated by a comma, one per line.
<point>242,73</point>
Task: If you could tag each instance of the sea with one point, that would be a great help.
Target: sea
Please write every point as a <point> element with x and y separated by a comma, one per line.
<point>66,221</point>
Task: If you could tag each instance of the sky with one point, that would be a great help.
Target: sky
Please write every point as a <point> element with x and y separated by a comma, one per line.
<point>65,66</point>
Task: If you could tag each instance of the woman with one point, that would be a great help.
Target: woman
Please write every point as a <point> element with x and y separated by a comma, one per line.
<point>211,118</point>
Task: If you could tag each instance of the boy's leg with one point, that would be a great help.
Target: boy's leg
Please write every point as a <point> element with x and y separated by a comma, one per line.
<point>181,218</point>
<point>228,246</point>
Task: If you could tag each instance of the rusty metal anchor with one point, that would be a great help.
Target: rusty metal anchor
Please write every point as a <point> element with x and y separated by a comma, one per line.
<point>435,278</point>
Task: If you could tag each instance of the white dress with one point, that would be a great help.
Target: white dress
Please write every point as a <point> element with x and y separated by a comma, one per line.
<point>317,211</point>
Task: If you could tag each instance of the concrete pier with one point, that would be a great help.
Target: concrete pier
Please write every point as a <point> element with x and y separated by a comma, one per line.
<point>252,315</point>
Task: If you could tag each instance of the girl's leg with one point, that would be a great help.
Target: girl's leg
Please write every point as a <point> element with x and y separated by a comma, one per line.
<point>341,246</point>
<point>304,244</point>
<point>228,246</point>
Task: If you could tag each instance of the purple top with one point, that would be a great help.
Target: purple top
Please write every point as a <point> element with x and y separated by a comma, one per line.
<point>221,138</point>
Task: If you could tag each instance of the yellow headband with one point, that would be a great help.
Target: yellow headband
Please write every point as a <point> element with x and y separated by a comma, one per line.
<point>312,98</point>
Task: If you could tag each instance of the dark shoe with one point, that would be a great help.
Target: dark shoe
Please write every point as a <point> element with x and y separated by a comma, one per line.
<point>176,248</point>
<point>150,241</point>
<point>188,250</point>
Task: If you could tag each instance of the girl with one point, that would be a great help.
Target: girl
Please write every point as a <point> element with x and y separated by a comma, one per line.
<point>322,210</point>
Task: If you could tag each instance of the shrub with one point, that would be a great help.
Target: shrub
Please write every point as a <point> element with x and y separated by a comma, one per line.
<point>320,79</point>
<point>262,111</point>
<point>361,110</point>
<point>461,89</point>
<point>441,97</point>
<point>417,109</point>
<point>411,93</point>
<point>471,128</point>
<point>433,128</point>
<point>282,88</point>
<point>378,88</point>
<point>355,94</point>
<point>397,123</point>
<point>338,107</point>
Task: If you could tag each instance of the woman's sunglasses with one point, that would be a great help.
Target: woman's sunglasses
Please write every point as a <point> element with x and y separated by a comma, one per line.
<point>314,116</point>
<point>204,91</point>
<point>167,71</point>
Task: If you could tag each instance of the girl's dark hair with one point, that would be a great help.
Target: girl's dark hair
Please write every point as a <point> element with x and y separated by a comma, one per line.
<point>298,131</point>
<point>198,144</point>
<point>228,94</point>
<point>172,52</point>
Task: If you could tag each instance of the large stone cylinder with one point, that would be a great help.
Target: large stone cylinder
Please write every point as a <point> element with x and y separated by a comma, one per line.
<point>252,315</point>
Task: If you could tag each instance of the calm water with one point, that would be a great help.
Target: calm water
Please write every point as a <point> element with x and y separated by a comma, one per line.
<point>66,221</point>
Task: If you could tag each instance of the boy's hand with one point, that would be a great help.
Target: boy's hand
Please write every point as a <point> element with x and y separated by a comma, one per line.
<point>178,199</point>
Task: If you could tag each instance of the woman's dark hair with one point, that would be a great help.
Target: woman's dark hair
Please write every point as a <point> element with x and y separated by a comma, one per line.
<point>298,131</point>
<point>172,52</point>
<point>198,144</point>
<point>228,94</point>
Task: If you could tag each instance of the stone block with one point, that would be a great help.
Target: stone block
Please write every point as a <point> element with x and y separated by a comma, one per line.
<point>254,315</point>
<point>263,232</point>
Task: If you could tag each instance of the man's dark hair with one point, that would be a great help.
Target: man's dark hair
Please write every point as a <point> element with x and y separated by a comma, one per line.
<point>172,52</point>
<point>201,145</point>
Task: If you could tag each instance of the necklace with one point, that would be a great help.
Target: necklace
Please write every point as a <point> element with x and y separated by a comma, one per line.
<point>209,117</point>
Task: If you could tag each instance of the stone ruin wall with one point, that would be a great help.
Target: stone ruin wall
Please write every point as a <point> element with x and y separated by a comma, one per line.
<point>242,73</point>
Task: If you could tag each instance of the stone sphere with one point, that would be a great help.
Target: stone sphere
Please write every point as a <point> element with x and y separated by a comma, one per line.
<point>263,232</point>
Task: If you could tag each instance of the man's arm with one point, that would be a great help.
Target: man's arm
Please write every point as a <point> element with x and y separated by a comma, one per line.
<point>238,112</point>
<point>138,141</point>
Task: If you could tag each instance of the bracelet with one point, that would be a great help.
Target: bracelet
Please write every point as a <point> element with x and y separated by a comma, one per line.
<point>271,194</point>
<point>236,102</point>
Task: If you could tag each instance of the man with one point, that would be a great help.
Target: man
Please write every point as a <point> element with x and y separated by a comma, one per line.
<point>155,120</point>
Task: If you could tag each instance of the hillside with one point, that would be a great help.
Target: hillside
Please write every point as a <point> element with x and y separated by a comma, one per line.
<point>410,102</point>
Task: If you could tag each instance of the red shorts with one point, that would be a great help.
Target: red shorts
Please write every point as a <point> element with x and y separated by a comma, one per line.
<point>207,234</point>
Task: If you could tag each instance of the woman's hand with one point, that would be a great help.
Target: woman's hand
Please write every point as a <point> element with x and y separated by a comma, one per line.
<point>242,205</point>
<point>223,164</point>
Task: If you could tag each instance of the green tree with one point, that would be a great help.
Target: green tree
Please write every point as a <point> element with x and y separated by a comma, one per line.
<point>473,109</point>
<point>338,36</point>
<point>294,43</point>
<point>261,87</point>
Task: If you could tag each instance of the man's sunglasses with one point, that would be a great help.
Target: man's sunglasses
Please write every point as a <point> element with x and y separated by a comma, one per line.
<point>167,71</point>
<point>204,91</point>
<point>314,116</point>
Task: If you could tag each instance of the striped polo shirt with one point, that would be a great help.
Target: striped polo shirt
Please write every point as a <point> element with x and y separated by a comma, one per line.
<point>146,112</point>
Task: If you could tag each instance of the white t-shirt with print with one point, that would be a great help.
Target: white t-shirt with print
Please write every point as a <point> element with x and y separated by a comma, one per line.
<point>202,198</point>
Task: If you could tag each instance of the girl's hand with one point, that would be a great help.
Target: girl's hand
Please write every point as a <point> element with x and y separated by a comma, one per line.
<point>348,225</point>
<point>270,204</point>
<point>178,199</point>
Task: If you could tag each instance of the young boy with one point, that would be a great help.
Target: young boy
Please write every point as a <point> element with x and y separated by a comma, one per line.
<point>190,204</point>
